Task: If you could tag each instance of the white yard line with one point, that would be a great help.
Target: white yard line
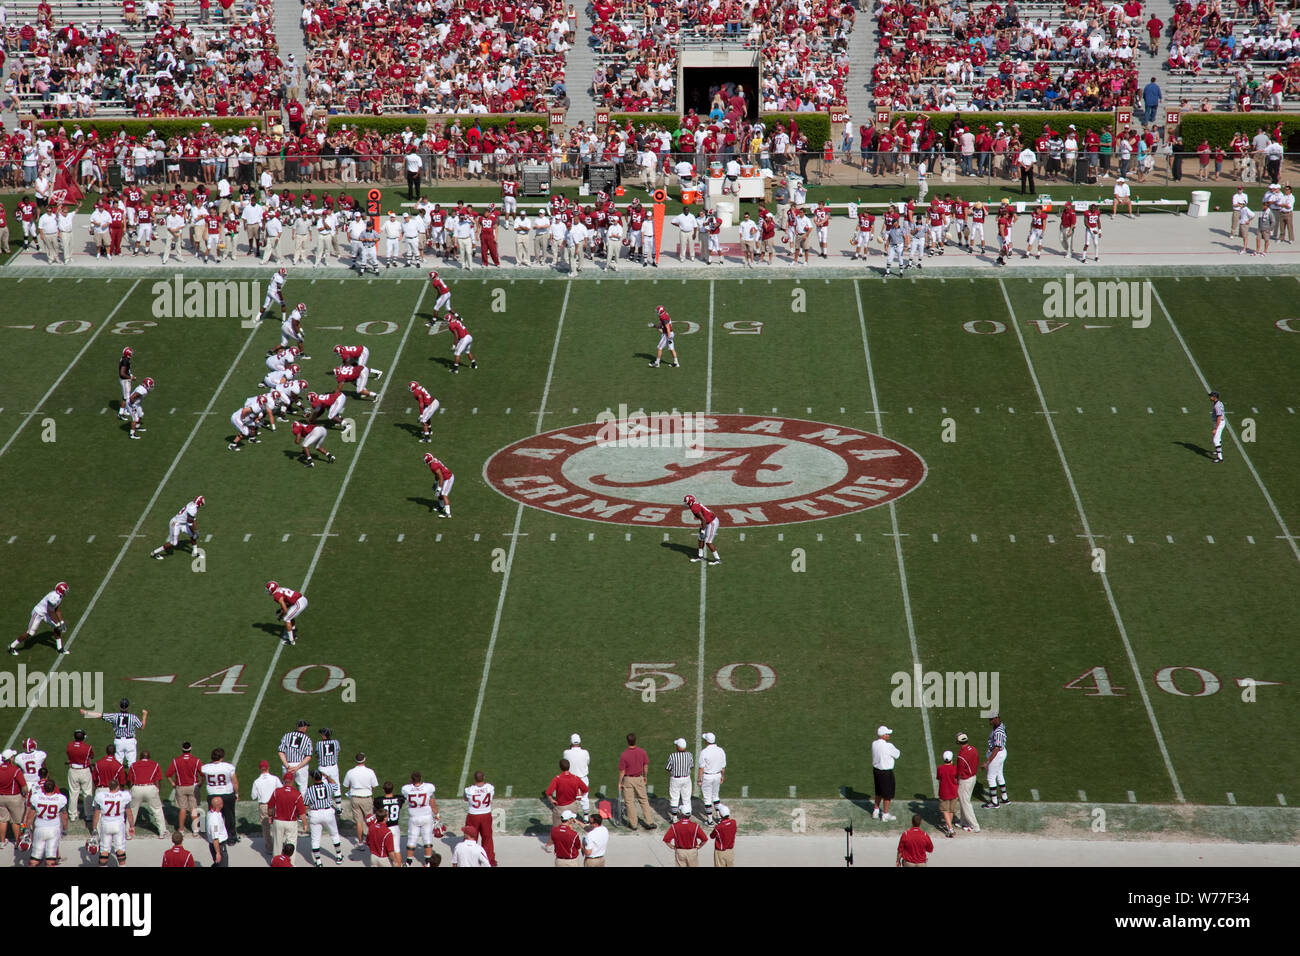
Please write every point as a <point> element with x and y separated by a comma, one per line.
<point>898,540</point>
<point>389,377</point>
<point>1138,677</point>
<point>704,590</point>
<point>1277,515</point>
<point>510,560</point>
<point>77,358</point>
<point>135,531</point>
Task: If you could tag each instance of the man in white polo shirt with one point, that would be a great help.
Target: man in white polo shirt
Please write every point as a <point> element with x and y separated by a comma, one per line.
<point>883,755</point>
<point>263,787</point>
<point>580,765</point>
<point>595,842</point>
<point>361,783</point>
<point>1121,196</point>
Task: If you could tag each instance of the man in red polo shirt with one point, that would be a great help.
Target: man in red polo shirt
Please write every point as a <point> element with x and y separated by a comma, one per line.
<point>382,845</point>
<point>914,844</point>
<point>564,790</point>
<point>968,765</point>
<point>80,756</point>
<point>565,841</point>
<point>285,857</point>
<point>686,837</point>
<point>287,812</point>
<point>107,768</point>
<point>724,838</point>
<point>144,776</point>
<point>176,854</point>
<point>183,772</point>
<point>13,793</point>
<point>632,764</point>
<point>947,777</point>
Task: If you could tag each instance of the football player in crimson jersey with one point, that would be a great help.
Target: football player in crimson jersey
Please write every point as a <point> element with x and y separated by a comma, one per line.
<point>862,238</point>
<point>352,354</point>
<point>331,406</point>
<point>125,378</point>
<point>1037,223</point>
<point>665,324</point>
<point>461,341</point>
<point>48,610</point>
<point>442,482</point>
<point>444,294</point>
<point>187,520</point>
<point>708,528</point>
<point>1091,233</point>
<point>1068,219</point>
<point>428,408</point>
<point>291,604</point>
<point>359,375</point>
<point>310,436</point>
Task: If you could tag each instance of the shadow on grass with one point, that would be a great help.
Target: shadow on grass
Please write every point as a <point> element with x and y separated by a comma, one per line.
<point>680,548</point>
<point>1195,448</point>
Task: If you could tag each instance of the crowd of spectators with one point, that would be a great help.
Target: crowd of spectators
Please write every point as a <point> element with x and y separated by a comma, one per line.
<point>146,61</point>
<point>449,56</point>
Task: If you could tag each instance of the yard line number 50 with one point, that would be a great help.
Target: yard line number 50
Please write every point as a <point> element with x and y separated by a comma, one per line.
<point>650,679</point>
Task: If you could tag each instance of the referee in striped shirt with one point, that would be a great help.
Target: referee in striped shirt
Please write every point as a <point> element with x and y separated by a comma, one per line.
<point>327,760</point>
<point>997,757</point>
<point>680,765</point>
<point>125,726</point>
<point>295,754</point>
<point>320,815</point>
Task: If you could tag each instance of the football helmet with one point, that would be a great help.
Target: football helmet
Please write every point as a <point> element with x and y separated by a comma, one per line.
<point>433,275</point>
<point>92,847</point>
<point>29,745</point>
<point>428,458</point>
<point>127,352</point>
<point>689,500</point>
<point>338,350</point>
<point>283,271</point>
<point>61,587</point>
<point>439,828</point>
<point>148,385</point>
<point>413,385</point>
<point>24,842</point>
<point>301,307</point>
<point>295,351</point>
<point>200,501</point>
<point>300,383</point>
<point>293,370</point>
<point>271,586</point>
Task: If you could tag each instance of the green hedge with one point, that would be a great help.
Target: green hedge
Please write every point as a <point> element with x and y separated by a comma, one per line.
<point>386,125</point>
<point>1031,124</point>
<point>1219,128</point>
<point>166,127</point>
<point>668,121</point>
<point>816,126</point>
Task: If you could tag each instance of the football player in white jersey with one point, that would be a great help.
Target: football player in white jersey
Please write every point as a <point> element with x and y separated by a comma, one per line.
<point>291,332</point>
<point>50,611</point>
<point>277,377</point>
<point>47,821</point>
<point>246,418</point>
<point>187,520</point>
<point>112,822</point>
<point>422,821</point>
<point>274,293</point>
<point>281,357</point>
<point>287,396</point>
<point>30,761</point>
<point>135,406</point>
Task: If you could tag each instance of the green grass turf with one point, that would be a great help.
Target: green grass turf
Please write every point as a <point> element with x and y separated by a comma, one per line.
<point>412,620</point>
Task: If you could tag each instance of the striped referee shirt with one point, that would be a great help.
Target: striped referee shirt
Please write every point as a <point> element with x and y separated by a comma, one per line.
<point>327,753</point>
<point>680,763</point>
<point>124,725</point>
<point>319,796</point>
<point>296,746</point>
<point>998,737</point>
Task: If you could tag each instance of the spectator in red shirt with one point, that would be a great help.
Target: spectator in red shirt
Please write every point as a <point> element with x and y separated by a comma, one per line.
<point>686,837</point>
<point>565,841</point>
<point>947,777</point>
<point>632,764</point>
<point>724,838</point>
<point>176,854</point>
<point>914,844</point>
<point>285,857</point>
<point>564,790</point>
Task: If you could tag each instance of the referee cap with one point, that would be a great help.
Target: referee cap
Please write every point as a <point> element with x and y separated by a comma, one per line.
<point>1214,395</point>
<point>883,731</point>
<point>995,716</point>
<point>303,723</point>
<point>680,743</point>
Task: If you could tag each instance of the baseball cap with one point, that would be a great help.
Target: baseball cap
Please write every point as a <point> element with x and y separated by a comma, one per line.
<point>575,739</point>
<point>709,738</point>
<point>263,765</point>
<point>371,819</point>
<point>8,753</point>
<point>469,831</point>
<point>724,810</point>
<point>882,730</point>
<point>605,810</point>
<point>568,815</point>
<point>962,738</point>
<point>680,742</point>
<point>947,756</point>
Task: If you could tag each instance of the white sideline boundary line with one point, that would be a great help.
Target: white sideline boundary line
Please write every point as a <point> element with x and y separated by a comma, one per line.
<point>704,589</point>
<point>135,531</point>
<point>1241,450</point>
<point>77,358</point>
<point>898,540</point>
<point>510,560</point>
<point>389,377</point>
<point>1138,677</point>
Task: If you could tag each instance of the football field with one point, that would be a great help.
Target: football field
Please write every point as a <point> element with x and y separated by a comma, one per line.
<point>937,497</point>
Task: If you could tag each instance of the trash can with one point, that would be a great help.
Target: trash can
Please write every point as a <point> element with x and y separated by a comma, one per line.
<point>1199,207</point>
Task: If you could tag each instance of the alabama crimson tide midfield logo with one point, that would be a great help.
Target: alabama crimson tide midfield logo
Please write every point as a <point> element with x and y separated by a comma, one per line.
<point>749,470</point>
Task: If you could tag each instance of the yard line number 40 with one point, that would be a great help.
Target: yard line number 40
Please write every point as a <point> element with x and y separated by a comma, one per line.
<point>1197,682</point>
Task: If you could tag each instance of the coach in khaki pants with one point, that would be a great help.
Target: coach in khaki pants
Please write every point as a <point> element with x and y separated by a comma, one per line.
<point>724,838</point>
<point>361,784</point>
<point>566,841</point>
<point>264,788</point>
<point>686,837</point>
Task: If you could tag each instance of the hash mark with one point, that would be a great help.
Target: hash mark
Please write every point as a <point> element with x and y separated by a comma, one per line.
<point>362,538</point>
<point>1250,539</point>
<point>591,536</point>
<point>1150,410</point>
<point>780,536</point>
<point>476,536</point>
<point>101,411</point>
<point>1281,799</point>
<point>934,538</point>
<point>437,538</point>
<point>1011,410</point>
<point>974,539</point>
<point>1128,538</point>
<point>207,538</point>
<point>1184,411</point>
<point>507,411</point>
<point>1132,797</point>
<point>285,538</point>
<point>1169,538</point>
<point>509,789</point>
<point>792,791</point>
<point>819,537</point>
<point>1078,409</point>
<point>1083,797</point>
<point>1209,539</point>
<point>744,792</point>
<point>400,537</point>
<point>1013,539</point>
<point>246,537</point>
<point>473,411</point>
<point>1255,410</point>
<point>1051,539</point>
<point>1232,799</point>
<point>859,536</point>
<point>51,541</point>
<point>977,411</point>
<point>1033,793</point>
<point>627,535</point>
